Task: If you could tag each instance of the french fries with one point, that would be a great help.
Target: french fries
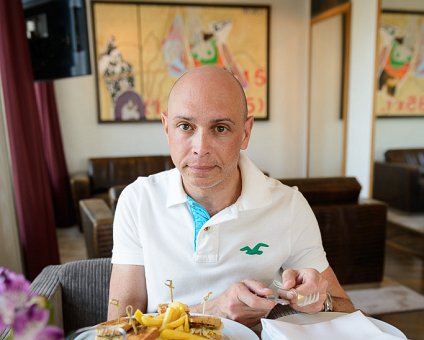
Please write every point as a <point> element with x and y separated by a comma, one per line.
<point>173,324</point>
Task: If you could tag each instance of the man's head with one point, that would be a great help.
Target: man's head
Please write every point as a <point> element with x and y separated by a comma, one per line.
<point>207,126</point>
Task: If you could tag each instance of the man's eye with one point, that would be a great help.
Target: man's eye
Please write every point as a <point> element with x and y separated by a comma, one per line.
<point>184,126</point>
<point>221,129</point>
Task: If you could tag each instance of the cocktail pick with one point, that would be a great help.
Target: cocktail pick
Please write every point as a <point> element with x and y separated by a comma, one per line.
<point>129,310</point>
<point>115,302</point>
<point>205,298</point>
<point>169,284</point>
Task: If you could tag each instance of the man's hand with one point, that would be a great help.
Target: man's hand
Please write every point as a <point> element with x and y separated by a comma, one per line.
<point>241,302</point>
<point>306,282</point>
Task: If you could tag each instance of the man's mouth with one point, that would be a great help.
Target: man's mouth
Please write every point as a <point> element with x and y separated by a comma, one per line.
<point>201,167</point>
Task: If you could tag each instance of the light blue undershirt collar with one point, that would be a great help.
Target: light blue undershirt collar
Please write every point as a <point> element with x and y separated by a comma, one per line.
<point>200,216</point>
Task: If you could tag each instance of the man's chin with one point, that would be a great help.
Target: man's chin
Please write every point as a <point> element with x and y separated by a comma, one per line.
<point>200,181</point>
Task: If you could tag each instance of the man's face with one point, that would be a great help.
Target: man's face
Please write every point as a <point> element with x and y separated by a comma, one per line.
<point>206,128</point>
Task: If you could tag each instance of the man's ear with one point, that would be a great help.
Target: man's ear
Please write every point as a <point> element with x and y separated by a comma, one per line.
<point>248,125</point>
<point>164,118</point>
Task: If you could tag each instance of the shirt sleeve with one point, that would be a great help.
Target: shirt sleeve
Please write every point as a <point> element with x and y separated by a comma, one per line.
<point>307,250</point>
<point>127,247</point>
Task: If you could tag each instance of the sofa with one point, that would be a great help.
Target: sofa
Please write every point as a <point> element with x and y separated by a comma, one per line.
<point>399,180</point>
<point>353,231</point>
<point>106,172</point>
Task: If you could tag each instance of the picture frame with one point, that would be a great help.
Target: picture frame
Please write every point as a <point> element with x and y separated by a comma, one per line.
<point>400,68</point>
<point>141,48</point>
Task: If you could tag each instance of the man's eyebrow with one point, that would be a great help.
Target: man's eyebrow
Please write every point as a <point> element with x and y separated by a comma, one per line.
<point>215,121</point>
<point>182,117</point>
<point>223,120</point>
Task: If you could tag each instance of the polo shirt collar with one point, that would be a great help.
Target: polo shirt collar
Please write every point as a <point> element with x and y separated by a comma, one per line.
<point>176,193</point>
<point>255,192</point>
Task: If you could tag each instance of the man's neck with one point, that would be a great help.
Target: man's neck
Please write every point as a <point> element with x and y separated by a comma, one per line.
<point>219,197</point>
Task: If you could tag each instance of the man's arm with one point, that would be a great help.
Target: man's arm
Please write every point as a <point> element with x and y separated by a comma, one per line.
<point>341,301</point>
<point>128,287</point>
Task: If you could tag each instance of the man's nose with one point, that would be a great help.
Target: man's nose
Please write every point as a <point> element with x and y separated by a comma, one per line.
<point>201,142</point>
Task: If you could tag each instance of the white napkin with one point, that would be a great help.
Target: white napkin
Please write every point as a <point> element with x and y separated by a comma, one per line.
<point>354,326</point>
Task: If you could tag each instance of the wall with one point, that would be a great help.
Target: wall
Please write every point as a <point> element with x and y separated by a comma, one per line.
<point>326,129</point>
<point>399,132</point>
<point>278,146</point>
<point>361,89</point>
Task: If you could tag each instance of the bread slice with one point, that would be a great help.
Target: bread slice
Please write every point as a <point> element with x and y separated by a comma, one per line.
<point>205,321</point>
<point>109,332</point>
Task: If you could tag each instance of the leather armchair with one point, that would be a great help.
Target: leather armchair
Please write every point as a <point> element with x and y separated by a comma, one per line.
<point>353,231</point>
<point>399,180</point>
<point>104,173</point>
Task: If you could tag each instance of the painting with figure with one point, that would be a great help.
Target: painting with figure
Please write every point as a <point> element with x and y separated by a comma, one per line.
<point>400,90</point>
<point>142,48</point>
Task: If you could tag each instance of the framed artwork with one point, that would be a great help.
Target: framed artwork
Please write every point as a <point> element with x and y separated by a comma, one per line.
<point>400,90</point>
<point>142,48</point>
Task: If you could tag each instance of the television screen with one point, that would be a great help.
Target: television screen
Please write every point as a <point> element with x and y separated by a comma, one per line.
<point>57,37</point>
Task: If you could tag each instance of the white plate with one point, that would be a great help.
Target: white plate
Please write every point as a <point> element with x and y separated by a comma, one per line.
<point>232,331</point>
<point>235,331</point>
<point>307,319</point>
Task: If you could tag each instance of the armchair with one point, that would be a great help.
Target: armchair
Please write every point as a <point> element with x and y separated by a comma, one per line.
<point>399,180</point>
<point>353,231</point>
<point>104,173</point>
<point>78,291</point>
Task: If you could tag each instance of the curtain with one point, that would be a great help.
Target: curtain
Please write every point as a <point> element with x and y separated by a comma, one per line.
<point>30,176</point>
<point>53,154</point>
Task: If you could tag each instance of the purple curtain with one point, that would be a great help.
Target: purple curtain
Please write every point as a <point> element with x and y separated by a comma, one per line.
<point>30,176</point>
<point>53,154</point>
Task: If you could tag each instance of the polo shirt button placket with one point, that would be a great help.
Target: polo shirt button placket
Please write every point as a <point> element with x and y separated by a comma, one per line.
<point>206,229</point>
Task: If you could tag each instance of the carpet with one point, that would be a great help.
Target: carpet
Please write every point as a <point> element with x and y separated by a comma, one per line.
<point>385,300</point>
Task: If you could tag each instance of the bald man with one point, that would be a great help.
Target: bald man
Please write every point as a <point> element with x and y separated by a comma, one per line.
<point>216,222</point>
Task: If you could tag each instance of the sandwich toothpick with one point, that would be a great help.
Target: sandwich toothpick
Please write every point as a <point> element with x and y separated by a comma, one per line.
<point>129,310</point>
<point>169,284</point>
<point>115,302</point>
<point>205,298</point>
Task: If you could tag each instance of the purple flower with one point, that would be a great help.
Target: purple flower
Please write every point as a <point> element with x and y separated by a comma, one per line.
<point>50,333</point>
<point>14,295</point>
<point>30,321</point>
<point>26,313</point>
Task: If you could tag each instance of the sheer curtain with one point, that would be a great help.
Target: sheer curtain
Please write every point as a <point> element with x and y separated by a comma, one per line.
<point>30,174</point>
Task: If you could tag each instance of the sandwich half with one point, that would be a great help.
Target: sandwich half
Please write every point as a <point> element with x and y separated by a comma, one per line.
<point>209,327</point>
<point>106,331</point>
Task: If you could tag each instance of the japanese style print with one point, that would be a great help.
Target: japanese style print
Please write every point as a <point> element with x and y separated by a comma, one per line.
<point>401,65</point>
<point>141,49</point>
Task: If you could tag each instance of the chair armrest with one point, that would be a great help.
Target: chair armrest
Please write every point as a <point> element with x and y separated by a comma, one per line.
<point>114,193</point>
<point>47,284</point>
<point>397,185</point>
<point>97,221</point>
<point>80,189</point>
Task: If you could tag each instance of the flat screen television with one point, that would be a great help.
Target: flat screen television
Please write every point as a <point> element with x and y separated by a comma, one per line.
<point>57,37</point>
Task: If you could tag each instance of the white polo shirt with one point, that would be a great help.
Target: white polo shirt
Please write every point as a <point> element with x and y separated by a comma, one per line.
<point>270,227</point>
